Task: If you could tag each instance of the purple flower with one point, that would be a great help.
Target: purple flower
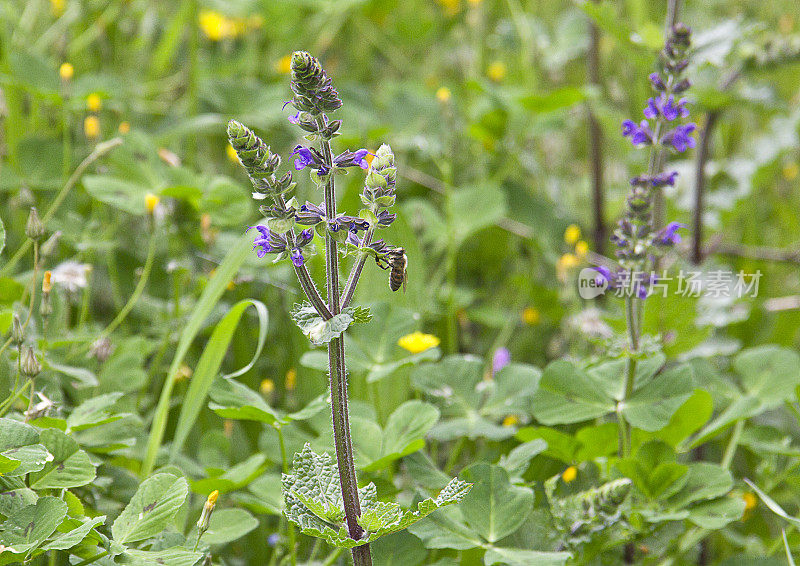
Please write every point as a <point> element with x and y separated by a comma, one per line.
<point>680,137</point>
<point>352,159</point>
<point>663,179</point>
<point>652,109</point>
<point>273,539</point>
<point>668,235</point>
<point>604,276</point>
<point>309,157</point>
<point>310,214</point>
<point>353,239</point>
<point>500,359</point>
<point>640,135</point>
<point>267,241</point>
<point>666,107</point>
<point>295,118</point>
<point>305,237</point>
<point>297,257</point>
<point>385,218</point>
<point>657,81</point>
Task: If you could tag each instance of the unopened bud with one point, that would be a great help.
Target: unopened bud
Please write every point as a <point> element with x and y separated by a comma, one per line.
<point>34,229</point>
<point>17,333</point>
<point>46,306</point>
<point>50,245</point>
<point>208,508</point>
<point>29,365</point>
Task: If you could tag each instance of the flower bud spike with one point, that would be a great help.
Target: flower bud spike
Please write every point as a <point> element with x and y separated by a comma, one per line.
<point>34,228</point>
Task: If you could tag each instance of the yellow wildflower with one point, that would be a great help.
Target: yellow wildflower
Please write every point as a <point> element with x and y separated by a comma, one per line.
<point>151,202</point>
<point>451,7</point>
<point>497,71</point>
<point>569,474</point>
<point>91,127</point>
<point>791,170</point>
<point>57,7</point>
<point>581,248</point>
<point>217,27</point>
<point>66,71</point>
<point>572,234</point>
<point>184,373</point>
<point>267,386</point>
<point>284,65</point>
<point>47,282</point>
<point>124,127</point>
<point>231,153</point>
<point>564,264</point>
<point>530,316</point>
<point>417,342</point>
<point>94,102</point>
<point>291,379</point>
<point>750,501</point>
<point>444,94</point>
<point>510,420</point>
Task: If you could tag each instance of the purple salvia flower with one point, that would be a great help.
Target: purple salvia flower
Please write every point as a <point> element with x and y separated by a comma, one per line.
<point>657,81</point>
<point>500,359</point>
<point>663,179</point>
<point>680,137</point>
<point>353,239</point>
<point>352,159</point>
<point>294,118</point>
<point>267,241</point>
<point>309,157</point>
<point>668,235</point>
<point>385,218</point>
<point>653,108</point>
<point>639,134</point>
<point>305,237</point>
<point>297,257</point>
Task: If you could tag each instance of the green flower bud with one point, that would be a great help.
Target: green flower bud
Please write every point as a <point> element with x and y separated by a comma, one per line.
<point>50,245</point>
<point>17,334</point>
<point>313,89</point>
<point>34,229</point>
<point>29,364</point>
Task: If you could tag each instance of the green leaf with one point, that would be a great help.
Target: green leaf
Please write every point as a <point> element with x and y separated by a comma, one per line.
<point>567,394</point>
<point>70,466</point>
<point>554,100</point>
<point>446,529</point>
<point>717,513</point>
<point>320,331</point>
<point>398,549</point>
<point>654,470</point>
<point>518,460</point>
<point>93,412</point>
<point>232,400</point>
<point>151,509</point>
<point>209,364</point>
<point>494,508</point>
<point>769,373</point>
<point>689,418</point>
<point>176,556</point>
<point>31,458</point>
<point>14,434</point>
<point>519,557</point>
<point>65,541</point>
<point>405,432</point>
<point>119,193</point>
<point>315,483</point>
<point>211,294</point>
<point>704,481</point>
<point>651,407</point>
<point>29,526</point>
<point>234,478</point>
<point>772,505</point>
<point>488,199</point>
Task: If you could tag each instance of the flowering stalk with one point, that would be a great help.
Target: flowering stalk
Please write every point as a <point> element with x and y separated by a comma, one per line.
<point>315,97</point>
<point>638,243</point>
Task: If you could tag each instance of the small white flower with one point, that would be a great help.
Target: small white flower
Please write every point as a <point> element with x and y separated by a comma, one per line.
<point>71,275</point>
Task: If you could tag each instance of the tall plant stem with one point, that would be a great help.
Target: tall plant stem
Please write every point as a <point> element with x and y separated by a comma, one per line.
<point>596,142</point>
<point>700,186</point>
<point>338,377</point>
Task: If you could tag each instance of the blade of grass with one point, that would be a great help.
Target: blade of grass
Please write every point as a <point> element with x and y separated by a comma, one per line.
<point>216,286</point>
<point>209,364</point>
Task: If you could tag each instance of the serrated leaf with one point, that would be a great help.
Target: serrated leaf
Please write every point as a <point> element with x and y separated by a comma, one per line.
<point>70,466</point>
<point>320,331</point>
<point>313,503</point>
<point>152,507</point>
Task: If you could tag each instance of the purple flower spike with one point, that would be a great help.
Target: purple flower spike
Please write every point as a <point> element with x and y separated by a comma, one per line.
<point>668,235</point>
<point>500,359</point>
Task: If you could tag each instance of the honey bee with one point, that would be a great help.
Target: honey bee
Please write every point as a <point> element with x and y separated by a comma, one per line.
<point>396,260</point>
